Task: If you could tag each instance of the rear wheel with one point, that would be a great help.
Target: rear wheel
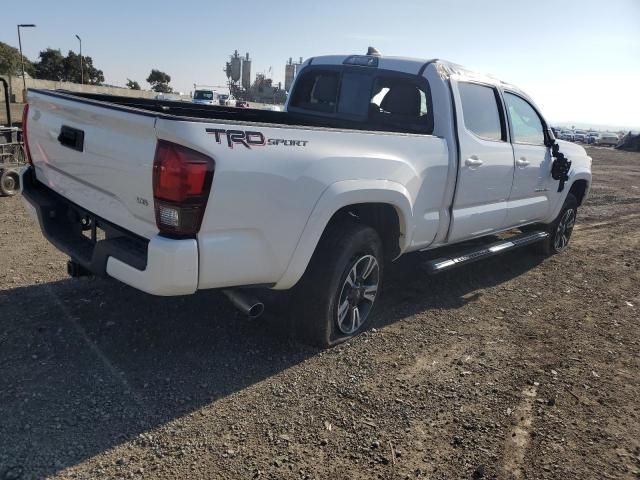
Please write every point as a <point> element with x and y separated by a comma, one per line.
<point>561,228</point>
<point>335,299</point>
<point>9,183</point>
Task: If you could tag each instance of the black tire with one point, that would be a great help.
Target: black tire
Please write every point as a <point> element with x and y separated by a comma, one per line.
<point>9,183</point>
<point>345,247</point>
<point>561,228</point>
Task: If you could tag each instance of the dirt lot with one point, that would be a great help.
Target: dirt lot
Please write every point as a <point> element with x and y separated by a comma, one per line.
<point>517,367</point>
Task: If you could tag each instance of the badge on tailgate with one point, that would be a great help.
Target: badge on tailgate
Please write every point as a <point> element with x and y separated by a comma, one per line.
<point>72,138</point>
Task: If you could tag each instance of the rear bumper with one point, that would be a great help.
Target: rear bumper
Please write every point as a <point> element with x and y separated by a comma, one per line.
<point>172,268</point>
<point>159,266</point>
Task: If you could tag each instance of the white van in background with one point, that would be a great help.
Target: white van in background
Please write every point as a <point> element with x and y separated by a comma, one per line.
<point>205,97</point>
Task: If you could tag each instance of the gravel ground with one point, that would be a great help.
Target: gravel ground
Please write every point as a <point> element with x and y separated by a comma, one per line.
<point>516,367</point>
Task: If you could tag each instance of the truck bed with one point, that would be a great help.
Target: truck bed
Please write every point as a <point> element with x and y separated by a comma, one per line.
<point>187,110</point>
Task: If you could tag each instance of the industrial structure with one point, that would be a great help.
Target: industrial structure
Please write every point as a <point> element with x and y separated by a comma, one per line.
<point>238,71</point>
<point>233,70</point>
<point>234,67</point>
<point>262,89</point>
<point>290,71</point>
<point>246,72</point>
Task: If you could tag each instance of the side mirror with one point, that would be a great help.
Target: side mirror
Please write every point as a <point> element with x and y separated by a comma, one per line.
<point>549,138</point>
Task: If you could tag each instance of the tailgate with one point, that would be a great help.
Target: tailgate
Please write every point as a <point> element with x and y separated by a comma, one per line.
<point>97,155</point>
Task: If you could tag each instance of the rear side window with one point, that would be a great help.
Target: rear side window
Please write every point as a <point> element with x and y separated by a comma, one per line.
<point>480,111</point>
<point>526,126</point>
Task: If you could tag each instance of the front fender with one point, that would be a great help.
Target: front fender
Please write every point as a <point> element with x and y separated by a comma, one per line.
<point>580,170</point>
<point>339,195</point>
<point>555,211</point>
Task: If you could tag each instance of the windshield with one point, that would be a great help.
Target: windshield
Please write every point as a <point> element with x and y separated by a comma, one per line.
<point>203,95</point>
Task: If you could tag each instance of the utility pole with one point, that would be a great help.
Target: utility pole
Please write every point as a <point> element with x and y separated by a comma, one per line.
<point>81,69</point>
<point>24,82</point>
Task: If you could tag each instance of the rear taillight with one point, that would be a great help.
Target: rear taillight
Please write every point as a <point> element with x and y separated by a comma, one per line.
<point>25,116</point>
<point>181,183</point>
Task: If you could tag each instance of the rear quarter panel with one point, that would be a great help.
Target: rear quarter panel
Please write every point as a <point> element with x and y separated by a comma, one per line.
<point>262,197</point>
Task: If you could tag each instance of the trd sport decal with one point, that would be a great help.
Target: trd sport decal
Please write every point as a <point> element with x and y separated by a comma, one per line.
<point>287,143</point>
<point>251,139</point>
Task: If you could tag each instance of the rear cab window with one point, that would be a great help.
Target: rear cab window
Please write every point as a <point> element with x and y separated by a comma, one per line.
<point>364,98</point>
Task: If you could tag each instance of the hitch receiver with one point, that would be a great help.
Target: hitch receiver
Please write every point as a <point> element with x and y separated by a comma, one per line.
<point>75,270</point>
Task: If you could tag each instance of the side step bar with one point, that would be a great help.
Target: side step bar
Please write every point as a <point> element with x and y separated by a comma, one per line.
<point>458,259</point>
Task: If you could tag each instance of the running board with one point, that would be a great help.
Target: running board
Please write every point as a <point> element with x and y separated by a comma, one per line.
<point>446,263</point>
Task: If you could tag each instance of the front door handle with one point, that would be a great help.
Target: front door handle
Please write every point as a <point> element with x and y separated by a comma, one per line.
<point>473,161</point>
<point>522,162</point>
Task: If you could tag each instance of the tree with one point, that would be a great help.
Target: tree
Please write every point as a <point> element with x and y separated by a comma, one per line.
<point>51,65</point>
<point>159,81</point>
<point>132,84</point>
<point>92,75</point>
<point>10,61</point>
<point>54,66</point>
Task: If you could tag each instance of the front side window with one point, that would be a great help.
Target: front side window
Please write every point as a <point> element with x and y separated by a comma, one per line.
<point>526,126</point>
<point>480,111</point>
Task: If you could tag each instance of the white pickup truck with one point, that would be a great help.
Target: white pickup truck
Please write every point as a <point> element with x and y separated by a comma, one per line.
<point>373,157</point>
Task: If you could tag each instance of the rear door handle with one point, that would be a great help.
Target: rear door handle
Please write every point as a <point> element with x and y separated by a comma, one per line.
<point>473,161</point>
<point>522,162</point>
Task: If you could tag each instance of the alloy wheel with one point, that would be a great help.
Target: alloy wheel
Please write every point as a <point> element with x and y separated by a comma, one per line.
<point>358,294</point>
<point>564,229</point>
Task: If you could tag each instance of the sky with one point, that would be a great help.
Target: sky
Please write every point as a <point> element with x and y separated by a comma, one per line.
<point>579,60</point>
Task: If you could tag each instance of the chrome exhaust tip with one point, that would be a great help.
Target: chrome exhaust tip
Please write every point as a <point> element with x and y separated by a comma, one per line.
<point>246,303</point>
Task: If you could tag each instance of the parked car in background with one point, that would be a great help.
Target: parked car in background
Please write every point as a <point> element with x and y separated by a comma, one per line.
<point>607,139</point>
<point>205,97</point>
<point>226,100</point>
<point>579,137</point>
<point>568,136</point>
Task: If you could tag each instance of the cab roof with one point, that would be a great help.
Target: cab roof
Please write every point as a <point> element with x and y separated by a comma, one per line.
<point>415,66</point>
